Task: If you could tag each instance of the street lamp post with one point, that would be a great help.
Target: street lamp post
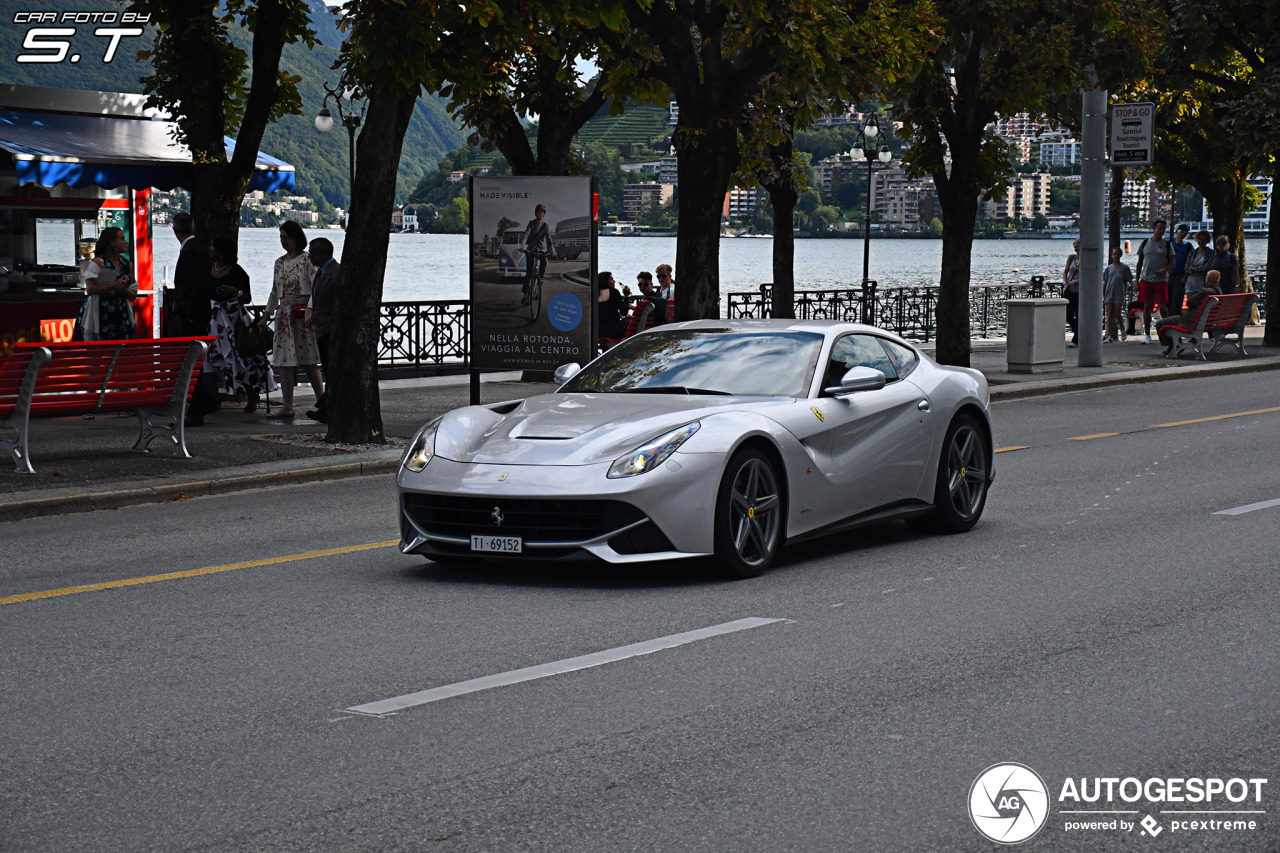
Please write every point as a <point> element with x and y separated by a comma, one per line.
<point>862,149</point>
<point>351,121</point>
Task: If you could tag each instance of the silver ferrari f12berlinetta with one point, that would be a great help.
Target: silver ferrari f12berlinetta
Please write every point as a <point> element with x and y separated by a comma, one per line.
<point>712,438</point>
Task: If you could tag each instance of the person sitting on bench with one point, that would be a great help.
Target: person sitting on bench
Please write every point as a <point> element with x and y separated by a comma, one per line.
<point>1187,319</point>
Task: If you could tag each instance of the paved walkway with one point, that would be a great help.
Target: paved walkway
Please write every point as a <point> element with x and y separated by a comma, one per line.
<point>86,464</point>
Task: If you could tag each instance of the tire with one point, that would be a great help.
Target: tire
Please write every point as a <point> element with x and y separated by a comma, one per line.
<point>535,298</point>
<point>750,509</point>
<point>960,494</point>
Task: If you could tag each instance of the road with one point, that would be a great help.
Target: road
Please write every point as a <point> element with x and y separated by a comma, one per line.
<point>1101,621</point>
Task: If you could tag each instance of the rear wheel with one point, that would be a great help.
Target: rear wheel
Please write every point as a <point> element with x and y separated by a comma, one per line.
<point>963,474</point>
<point>535,297</point>
<point>749,512</point>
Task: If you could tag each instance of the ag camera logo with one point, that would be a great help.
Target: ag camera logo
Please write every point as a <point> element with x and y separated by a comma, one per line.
<point>1008,803</point>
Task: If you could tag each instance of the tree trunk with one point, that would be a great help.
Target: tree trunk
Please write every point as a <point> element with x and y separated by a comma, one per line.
<point>959,213</point>
<point>1115,201</point>
<point>783,197</point>
<point>355,413</point>
<point>707,159</point>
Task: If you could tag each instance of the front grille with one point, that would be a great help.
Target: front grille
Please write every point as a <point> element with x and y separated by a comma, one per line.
<point>532,519</point>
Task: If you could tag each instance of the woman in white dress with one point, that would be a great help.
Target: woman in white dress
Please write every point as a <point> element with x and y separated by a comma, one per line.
<point>295,343</point>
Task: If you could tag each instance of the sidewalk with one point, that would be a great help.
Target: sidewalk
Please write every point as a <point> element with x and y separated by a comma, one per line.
<point>86,464</point>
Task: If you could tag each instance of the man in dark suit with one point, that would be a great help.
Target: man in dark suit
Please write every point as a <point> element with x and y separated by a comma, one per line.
<point>320,313</point>
<point>192,310</point>
<point>192,284</point>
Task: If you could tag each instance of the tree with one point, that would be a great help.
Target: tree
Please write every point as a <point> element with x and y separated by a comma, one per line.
<point>982,70</point>
<point>214,90</point>
<point>1064,197</point>
<point>379,33</point>
<point>717,57</point>
<point>504,60</point>
<point>1221,105</point>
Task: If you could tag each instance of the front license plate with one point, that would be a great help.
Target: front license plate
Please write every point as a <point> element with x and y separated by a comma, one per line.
<point>497,544</point>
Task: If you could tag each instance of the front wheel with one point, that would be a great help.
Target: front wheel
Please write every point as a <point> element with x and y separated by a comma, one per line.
<point>535,298</point>
<point>749,513</point>
<point>960,493</point>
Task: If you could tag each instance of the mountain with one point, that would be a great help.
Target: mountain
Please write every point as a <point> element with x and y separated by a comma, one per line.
<point>320,158</point>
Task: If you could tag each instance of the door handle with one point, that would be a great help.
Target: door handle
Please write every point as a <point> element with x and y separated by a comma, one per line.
<point>923,405</point>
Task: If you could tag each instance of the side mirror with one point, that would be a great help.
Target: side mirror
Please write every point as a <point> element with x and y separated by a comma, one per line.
<point>858,379</point>
<point>565,372</point>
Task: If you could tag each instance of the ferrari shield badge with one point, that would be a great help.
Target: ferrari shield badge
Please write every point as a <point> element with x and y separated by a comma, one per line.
<point>817,412</point>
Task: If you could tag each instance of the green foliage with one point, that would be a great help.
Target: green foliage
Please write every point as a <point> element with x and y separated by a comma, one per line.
<point>193,56</point>
<point>821,143</point>
<point>454,219</point>
<point>1064,197</point>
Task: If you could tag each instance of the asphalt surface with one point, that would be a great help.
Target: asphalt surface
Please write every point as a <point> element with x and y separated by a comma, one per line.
<point>1101,621</point>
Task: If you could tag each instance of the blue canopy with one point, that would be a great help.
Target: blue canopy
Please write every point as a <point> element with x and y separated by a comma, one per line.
<point>112,151</point>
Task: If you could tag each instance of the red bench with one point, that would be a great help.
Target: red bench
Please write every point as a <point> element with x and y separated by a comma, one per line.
<point>153,378</point>
<point>641,318</point>
<point>1222,316</point>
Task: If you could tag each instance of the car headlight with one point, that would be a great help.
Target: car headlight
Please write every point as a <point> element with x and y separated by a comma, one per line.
<point>422,448</point>
<point>652,453</point>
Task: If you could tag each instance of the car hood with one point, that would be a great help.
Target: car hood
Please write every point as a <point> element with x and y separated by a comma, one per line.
<point>577,429</point>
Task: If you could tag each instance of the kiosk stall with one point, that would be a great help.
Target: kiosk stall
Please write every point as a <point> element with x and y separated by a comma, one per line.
<point>90,160</point>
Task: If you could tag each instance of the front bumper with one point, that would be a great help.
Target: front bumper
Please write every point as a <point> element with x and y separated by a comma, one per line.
<point>562,512</point>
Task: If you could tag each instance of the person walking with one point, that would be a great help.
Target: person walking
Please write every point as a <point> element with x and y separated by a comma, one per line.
<point>1117,278</point>
<point>1071,292</point>
<point>295,343</point>
<point>106,314</point>
<point>1224,261</point>
<point>320,313</point>
<point>238,370</point>
<point>1178,275</point>
<point>1155,259</point>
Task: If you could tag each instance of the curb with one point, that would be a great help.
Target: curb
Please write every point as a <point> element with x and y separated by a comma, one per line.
<point>116,498</point>
<point>1047,387</point>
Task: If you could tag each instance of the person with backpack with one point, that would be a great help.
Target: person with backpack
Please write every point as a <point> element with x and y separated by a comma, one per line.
<point>1199,262</point>
<point>1156,258</point>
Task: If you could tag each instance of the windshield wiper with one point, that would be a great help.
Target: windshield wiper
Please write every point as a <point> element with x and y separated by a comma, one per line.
<point>673,389</point>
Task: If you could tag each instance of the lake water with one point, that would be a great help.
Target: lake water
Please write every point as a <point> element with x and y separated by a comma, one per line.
<point>435,266</point>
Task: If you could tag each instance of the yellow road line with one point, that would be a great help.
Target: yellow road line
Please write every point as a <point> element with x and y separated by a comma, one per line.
<point>1011,449</point>
<point>190,573</point>
<point>1219,418</point>
<point>1095,435</point>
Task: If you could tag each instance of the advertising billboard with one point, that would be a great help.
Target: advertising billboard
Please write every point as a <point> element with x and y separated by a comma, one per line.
<point>533,264</point>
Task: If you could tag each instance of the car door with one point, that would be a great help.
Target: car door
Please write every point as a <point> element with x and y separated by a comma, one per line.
<point>877,440</point>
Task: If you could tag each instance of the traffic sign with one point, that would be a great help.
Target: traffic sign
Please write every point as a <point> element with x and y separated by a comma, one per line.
<point>1132,134</point>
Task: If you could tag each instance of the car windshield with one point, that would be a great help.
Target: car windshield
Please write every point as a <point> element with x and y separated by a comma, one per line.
<point>705,361</point>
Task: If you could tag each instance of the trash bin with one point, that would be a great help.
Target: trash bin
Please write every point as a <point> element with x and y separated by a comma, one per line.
<point>1036,335</point>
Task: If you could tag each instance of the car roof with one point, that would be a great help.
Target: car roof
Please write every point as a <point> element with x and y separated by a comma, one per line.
<point>827,328</point>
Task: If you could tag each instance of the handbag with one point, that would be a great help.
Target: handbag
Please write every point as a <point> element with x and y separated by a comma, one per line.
<point>253,340</point>
<point>297,312</point>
